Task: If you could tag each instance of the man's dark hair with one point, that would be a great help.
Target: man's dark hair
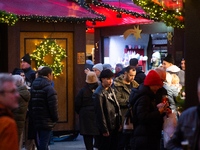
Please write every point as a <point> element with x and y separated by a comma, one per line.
<point>45,71</point>
<point>106,74</point>
<point>127,69</point>
<point>133,62</point>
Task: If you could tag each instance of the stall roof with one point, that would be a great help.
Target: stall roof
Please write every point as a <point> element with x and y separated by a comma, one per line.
<point>48,8</point>
<point>130,14</point>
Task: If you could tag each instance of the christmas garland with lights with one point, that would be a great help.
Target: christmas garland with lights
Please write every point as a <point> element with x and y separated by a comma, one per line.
<point>8,18</point>
<point>170,18</point>
<point>124,11</point>
<point>49,47</point>
<point>56,19</point>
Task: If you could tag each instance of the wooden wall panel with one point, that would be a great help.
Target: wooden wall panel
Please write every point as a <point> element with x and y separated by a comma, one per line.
<point>64,83</point>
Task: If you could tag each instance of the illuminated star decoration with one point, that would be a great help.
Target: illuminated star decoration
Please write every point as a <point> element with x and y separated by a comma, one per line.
<point>136,31</point>
<point>169,37</point>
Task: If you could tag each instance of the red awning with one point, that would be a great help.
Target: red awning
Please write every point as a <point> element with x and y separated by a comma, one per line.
<point>111,15</point>
<point>48,8</point>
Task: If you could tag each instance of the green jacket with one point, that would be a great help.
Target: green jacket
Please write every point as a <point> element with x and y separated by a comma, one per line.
<point>20,112</point>
<point>122,93</point>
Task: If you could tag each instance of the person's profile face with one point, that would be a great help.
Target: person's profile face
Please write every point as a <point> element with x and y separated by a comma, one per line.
<point>183,64</point>
<point>166,64</point>
<point>23,75</point>
<point>9,95</point>
<point>25,65</point>
<point>96,71</point>
<point>131,75</point>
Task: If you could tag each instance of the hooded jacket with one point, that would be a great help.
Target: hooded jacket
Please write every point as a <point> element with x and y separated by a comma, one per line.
<point>146,118</point>
<point>180,73</point>
<point>44,104</point>
<point>122,93</point>
<point>8,130</point>
<point>20,112</point>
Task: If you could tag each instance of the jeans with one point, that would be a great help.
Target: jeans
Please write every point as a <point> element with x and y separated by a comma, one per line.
<point>44,136</point>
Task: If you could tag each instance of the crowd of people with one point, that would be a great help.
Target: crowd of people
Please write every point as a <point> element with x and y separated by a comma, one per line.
<point>29,107</point>
<point>107,97</point>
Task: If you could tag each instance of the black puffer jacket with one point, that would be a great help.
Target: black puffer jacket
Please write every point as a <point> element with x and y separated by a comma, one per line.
<point>105,110</point>
<point>147,119</point>
<point>44,104</point>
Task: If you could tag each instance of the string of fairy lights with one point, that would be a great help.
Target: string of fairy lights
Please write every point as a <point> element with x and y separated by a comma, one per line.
<point>47,47</point>
<point>121,10</point>
<point>153,11</point>
<point>8,18</point>
<point>170,18</point>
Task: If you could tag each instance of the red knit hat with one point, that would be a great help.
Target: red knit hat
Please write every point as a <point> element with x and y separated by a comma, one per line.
<point>153,78</point>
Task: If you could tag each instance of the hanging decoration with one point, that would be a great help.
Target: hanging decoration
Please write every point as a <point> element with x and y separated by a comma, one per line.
<point>136,31</point>
<point>156,11</point>
<point>56,19</point>
<point>47,47</point>
<point>8,18</point>
<point>169,37</point>
<point>121,10</point>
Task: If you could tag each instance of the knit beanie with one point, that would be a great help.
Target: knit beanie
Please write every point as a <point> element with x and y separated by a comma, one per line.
<point>152,78</point>
<point>91,77</point>
<point>98,66</point>
<point>26,58</point>
<point>106,66</point>
<point>133,62</point>
<point>169,59</point>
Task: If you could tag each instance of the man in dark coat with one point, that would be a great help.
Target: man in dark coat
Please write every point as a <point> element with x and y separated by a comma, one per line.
<point>26,67</point>
<point>122,86</point>
<point>187,131</point>
<point>29,78</point>
<point>107,112</point>
<point>140,76</point>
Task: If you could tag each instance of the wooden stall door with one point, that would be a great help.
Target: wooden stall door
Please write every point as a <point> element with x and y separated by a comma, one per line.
<point>63,83</point>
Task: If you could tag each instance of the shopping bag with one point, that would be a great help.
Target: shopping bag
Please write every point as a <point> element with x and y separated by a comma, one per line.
<point>128,122</point>
<point>169,126</point>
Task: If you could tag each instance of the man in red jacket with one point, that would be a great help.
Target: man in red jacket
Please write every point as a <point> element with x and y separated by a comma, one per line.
<point>8,101</point>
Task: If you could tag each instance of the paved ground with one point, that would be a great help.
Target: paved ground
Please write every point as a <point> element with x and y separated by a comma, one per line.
<point>78,144</point>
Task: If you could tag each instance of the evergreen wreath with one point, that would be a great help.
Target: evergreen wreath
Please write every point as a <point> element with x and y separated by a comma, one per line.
<point>49,47</point>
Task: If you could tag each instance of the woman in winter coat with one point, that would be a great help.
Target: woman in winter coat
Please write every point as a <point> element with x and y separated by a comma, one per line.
<point>44,106</point>
<point>147,116</point>
<point>20,112</point>
<point>85,108</point>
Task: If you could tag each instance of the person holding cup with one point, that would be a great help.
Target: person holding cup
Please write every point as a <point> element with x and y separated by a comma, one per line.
<point>147,114</point>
